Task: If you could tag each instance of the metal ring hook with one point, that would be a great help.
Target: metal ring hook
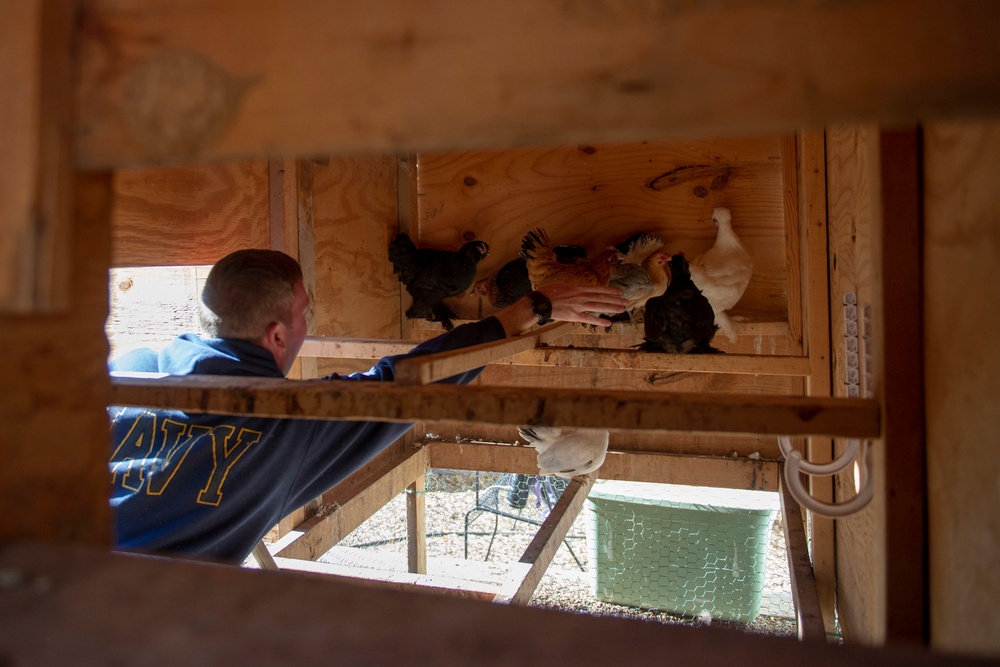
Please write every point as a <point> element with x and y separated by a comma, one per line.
<point>793,464</point>
<point>821,469</point>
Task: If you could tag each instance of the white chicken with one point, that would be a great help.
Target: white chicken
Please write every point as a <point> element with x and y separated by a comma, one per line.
<point>723,272</point>
<point>569,452</point>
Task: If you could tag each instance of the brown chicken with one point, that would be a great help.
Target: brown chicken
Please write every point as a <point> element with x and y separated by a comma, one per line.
<point>545,268</point>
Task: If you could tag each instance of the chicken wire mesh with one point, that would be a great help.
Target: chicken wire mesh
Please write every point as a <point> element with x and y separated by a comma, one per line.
<point>683,555</point>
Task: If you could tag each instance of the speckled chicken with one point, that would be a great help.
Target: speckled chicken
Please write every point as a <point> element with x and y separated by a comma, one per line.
<point>682,320</point>
<point>431,275</point>
<point>723,272</point>
<point>566,452</point>
<point>545,268</point>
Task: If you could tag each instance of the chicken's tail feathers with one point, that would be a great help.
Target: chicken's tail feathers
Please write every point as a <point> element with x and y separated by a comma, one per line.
<point>535,434</point>
<point>639,246</point>
<point>402,253</point>
<point>531,242</point>
<point>726,326</point>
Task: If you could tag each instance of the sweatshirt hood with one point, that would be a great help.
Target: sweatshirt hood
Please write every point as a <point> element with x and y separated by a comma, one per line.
<point>190,355</point>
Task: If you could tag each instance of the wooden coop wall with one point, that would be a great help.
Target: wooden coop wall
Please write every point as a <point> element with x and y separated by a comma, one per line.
<point>591,195</point>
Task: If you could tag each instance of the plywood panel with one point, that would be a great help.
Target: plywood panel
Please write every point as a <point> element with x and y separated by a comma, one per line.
<point>355,212</point>
<point>189,215</point>
<point>963,383</point>
<point>227,79</point>
<point>597,194</point>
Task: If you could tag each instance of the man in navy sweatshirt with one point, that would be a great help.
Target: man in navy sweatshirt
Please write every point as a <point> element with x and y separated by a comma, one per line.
<point>211,486</point>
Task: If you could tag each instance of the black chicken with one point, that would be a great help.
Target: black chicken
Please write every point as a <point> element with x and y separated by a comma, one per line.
<point>682,320</point>
<point>510,282</point>
<point>432,275</point>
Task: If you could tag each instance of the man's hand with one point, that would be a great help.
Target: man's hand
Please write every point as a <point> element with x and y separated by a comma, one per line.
<point>578,303</point>
<point>570,303</point>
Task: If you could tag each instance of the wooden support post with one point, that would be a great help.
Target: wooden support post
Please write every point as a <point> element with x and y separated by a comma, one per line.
<point>263,557</point>
<point>816,329</point>
<point>528,571</point>
<point>290,216</point>
<point>902,388</point>
<point>808,614</point>
<point>350,503</point>
<point>416,525</point>
<point>36,155</point>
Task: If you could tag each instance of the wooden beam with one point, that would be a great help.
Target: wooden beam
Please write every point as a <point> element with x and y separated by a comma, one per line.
<point>741,364</point>
<point>392,580</point>
<point>902,388</point>
<point>629,410</point>
<point>101,603</point>
<point>808,614</point>
<point>528,571</point>
<point>550,356</point>
<point>265,76</point>
<point>354,348</point>
<point>433,367</point>
<point>36,155</point>
<point>263,557</point>
<point>350,503</point>
<point>662,467</point>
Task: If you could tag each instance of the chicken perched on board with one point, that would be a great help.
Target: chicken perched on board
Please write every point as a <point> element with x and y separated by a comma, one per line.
<point>510,282</point>
<point>682,320</point>
<point>656,265</point>
<point>544,266</point>
<point>631,276</point>
<point>566,452</point>
<point>431,275</point>
<point>723,272</point>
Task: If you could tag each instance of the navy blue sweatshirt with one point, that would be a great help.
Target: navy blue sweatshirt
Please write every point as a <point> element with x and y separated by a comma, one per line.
<point>212,486</point>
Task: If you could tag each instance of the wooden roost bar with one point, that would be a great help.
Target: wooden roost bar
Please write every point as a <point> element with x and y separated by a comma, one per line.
<point>854,143</point>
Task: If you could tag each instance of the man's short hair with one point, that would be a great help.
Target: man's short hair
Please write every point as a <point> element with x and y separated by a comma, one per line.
<point>247,291</point>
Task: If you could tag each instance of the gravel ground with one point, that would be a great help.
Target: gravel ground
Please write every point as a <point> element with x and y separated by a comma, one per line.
<point>566,585</point>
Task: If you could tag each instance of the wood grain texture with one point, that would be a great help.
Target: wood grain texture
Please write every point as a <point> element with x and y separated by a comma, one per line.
<point>814,260</point>
<point>180,216</point>
<point>527,572</point>
<point>901,326</point>
<point>227,79</point>
<point>55,390</point>
<point>356,216</point>
<point>99,604</point>
<point>808,613</point>
<point>962,223</point>
<point>381,401</point>
<point>853,195</point>
<point>36,155</point>
<point>715,471</point>
<point>352,502</point>
<point>598,194</point>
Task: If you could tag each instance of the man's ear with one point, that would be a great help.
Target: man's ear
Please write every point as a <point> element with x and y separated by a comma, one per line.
<point>276,340</point>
